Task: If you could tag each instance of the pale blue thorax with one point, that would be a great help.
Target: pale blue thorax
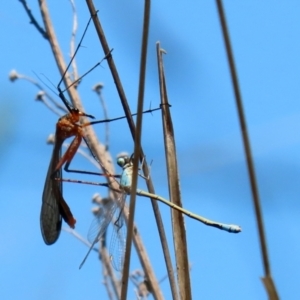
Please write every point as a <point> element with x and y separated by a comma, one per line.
<point>126,176</point>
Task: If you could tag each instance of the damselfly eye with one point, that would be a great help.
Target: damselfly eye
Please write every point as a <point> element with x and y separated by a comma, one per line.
<point>121,161</point>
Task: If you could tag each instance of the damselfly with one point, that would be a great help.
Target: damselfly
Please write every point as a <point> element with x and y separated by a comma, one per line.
<point>99,226</point>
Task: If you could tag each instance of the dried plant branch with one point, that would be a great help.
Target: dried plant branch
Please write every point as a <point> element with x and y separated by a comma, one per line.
<point>98,89</point>
<point>137,148</point>
<point>268,281</point>
<point>14,75</point>
<point>106,283</point>
<point>40,96</point>
<point>33,20</point>
<point>179,235</point>
<point>58,55</point>
<point>106,266</point>
<point>72,42</point>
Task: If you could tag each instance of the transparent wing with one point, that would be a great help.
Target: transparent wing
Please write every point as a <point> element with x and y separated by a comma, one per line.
<point>118,242</point>
<point>100,223</point>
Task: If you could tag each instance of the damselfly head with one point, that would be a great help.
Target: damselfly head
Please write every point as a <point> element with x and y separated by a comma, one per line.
<point>123,160</point>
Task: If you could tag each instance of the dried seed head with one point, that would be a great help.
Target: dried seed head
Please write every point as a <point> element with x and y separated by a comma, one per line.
<point>96,198</point>
<point>13,75</point>
<point>39,96</point>
<point>98,87</point>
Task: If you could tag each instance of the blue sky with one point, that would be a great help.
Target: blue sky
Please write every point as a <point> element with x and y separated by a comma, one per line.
<point>213,174</point>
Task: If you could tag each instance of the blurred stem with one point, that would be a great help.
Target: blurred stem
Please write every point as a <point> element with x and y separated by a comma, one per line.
<point>33,20</point>
<point>72,41</point>
<point>270,286</point>
<point>98,89</point>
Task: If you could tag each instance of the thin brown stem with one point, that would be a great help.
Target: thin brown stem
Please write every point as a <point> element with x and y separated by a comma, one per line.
<point>41,88</point>
<point>58,54</point>
<point>179,234</point>
<point>270,286</point>
<point>40,96</point>
<point>98,89</point>
<point>108,268</point>
<point>137,147</point>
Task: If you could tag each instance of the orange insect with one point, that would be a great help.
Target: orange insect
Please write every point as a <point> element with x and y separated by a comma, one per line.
<point>54,207</point>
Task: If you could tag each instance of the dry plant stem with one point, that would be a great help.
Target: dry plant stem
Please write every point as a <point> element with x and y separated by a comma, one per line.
<point>59,106</point>
<point>42,99</point>
<point>33,20</point>
<point>104,108</point>
<point>72,42</point>
<point>140,249</point>
<point>179,234</point>
<point>107,267</point>
<point>106,284</point>
<point>58,54</point>
<point>137,147</point>
<point>269,284</point>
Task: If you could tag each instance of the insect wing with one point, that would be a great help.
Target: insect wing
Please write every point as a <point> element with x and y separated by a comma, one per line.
<point>118,242</point>
<point>101,221</point>
<point>99,225</point>
<point>50,218</point>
